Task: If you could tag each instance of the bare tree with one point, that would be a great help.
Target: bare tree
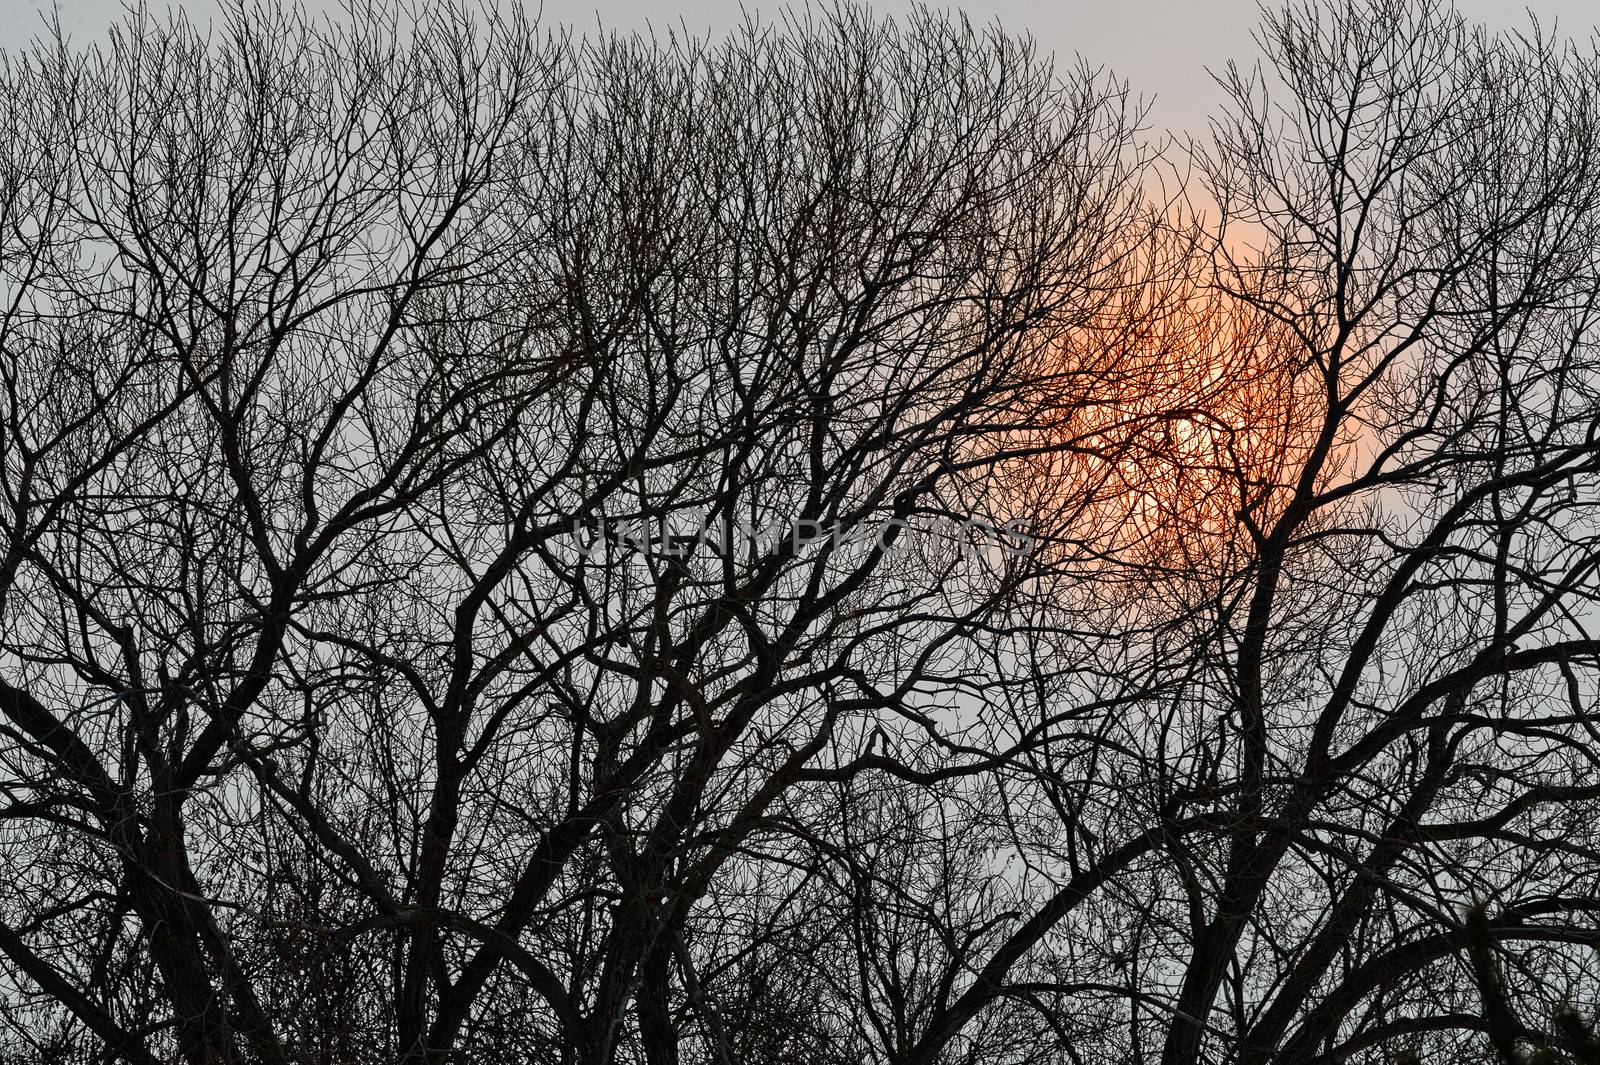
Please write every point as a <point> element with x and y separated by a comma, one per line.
<point>1391,715</point>
<point>1371,546</point>
<point>359,703</point>
<point>793,548</point>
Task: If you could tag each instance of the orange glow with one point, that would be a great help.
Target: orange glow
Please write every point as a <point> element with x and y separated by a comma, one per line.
<point>1177,441</point>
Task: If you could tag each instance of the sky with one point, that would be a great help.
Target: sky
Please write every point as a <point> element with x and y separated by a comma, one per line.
<point>1162,47</point>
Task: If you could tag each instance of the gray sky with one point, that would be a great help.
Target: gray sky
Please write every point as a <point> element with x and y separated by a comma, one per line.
<point>1162,47</point>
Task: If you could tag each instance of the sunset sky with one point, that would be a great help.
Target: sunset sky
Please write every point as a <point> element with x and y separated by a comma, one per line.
<point>1162,47</point>
<point>693,532</point>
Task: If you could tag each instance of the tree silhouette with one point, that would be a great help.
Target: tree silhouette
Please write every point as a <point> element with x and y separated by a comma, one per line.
<point>820,545</point>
